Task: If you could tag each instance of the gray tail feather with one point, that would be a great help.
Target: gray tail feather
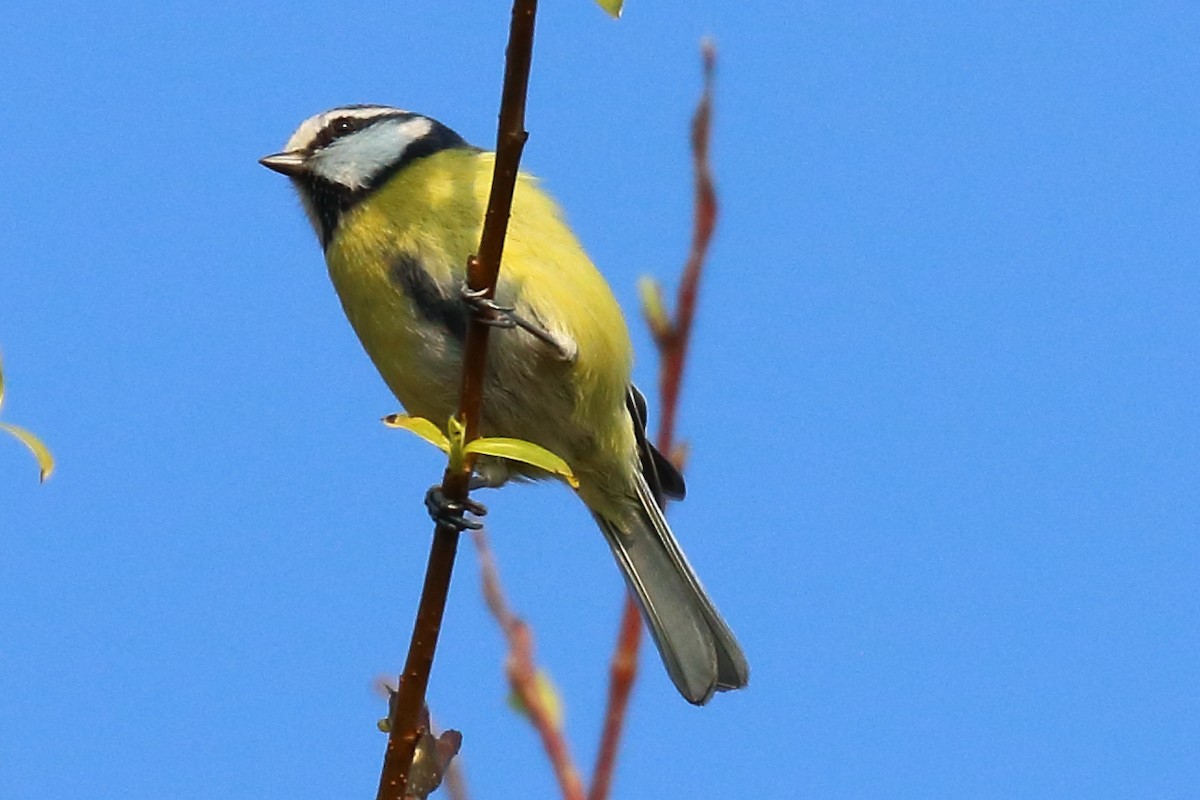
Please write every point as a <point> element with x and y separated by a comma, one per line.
<point>698,649</point>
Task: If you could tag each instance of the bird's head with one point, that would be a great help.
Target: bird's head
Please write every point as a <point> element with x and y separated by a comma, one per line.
<point>338,157</point>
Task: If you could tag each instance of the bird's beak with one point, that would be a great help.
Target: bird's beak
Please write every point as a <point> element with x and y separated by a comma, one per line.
<point>292,164</point>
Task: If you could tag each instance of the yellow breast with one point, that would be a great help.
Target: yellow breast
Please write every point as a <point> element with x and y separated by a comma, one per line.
<point>432,211</point>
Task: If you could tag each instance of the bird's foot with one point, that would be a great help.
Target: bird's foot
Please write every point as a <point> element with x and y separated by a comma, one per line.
<point>487,310</point>
<point>453,513</point>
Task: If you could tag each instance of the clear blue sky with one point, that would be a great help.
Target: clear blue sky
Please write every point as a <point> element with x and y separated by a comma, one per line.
<point>942,408</point>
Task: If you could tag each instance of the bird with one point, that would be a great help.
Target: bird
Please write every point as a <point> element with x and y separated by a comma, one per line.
<point>397,202</point>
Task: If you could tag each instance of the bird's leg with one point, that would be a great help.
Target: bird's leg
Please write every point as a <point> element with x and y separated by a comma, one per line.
<point>477,481</point>
<point>452,512</point>
<point>489,312</point>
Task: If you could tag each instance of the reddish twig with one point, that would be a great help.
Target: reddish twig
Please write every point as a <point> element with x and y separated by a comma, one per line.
<point>673,341</point>
<point>482,272</point>
<point>672,338</point>
<point>622,675</point>
<point>523,674</point>
<point>455,783</point>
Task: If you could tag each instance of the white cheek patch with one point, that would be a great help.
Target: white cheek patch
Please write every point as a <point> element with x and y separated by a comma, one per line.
<point>354,160</point>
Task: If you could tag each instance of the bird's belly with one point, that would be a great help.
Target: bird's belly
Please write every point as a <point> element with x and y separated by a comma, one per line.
<point>530,393</point>
<point>527,393</point>
<point>422,367</point>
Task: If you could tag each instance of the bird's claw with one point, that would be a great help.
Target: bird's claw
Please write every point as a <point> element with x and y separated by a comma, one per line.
<point>452,513</point>
<point>487,310</point>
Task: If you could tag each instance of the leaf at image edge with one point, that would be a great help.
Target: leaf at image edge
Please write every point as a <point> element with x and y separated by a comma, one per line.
<point>40,451</point>
<point>611,7</point>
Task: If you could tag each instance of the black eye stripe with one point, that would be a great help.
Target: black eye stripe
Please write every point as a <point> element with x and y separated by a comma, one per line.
<point>339,127</point>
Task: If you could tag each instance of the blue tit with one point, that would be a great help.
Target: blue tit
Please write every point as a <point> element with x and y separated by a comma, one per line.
<point>397,201</point>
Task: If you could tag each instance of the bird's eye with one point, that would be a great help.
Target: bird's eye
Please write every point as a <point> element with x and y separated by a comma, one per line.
<point>336,129</point>
<point>345,125</point>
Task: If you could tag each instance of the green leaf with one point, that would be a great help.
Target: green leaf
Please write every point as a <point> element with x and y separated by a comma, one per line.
<point>613,7</point>
<point>35,445</point>
<point>421,427</point>
<point>25,437</point>
<point>498,447</point>
<point>526,453</point>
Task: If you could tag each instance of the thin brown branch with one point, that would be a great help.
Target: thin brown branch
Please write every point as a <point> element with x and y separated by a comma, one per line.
<point>482,273</point>
<point>672,342</point>
<point>523,675</point>
<point>622,675</point>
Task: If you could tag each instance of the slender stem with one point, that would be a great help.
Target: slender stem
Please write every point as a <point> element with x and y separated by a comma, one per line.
<point>622,675</point>
<point>672,348</point>
<point>455,783</point>
<point>523,675</point>
<point>405,728</point>
<point>482,273</point>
